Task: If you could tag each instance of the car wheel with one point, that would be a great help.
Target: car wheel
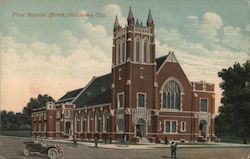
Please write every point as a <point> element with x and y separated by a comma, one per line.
<point>26,152</point>
<point>52,153</point>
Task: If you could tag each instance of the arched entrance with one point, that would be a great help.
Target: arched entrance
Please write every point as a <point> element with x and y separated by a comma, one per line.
<point>68,128</point>
<point>203,128</point>
<point>140,128</point>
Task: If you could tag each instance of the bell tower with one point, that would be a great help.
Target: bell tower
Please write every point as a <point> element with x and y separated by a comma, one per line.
<point>133,73</point>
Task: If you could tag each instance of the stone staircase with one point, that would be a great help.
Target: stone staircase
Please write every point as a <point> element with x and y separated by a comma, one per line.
<point>143,141</point>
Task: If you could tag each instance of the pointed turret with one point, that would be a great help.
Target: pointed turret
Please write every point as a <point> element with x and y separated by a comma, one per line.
<point>137,22</point>
<point>116,24</point>
<point>150,21</point>
<point>130,18</point>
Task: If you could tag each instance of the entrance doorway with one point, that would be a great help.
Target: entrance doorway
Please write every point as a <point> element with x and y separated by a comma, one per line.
<point>203,128</point>
<point>68,128</point>
<point>141,128</point>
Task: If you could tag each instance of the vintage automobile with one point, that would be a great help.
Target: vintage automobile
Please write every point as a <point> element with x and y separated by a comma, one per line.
<point>53,151</point>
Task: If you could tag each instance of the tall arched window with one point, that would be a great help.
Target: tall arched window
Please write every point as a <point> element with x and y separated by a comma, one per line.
<point>105,121</point>
<point>83,122</point>
<point>164,102</point>
<point>119,53</point>
<point>137,50</point>
<point>168,100</point>
<point>123,51</point>
<point>177,100</point>
<point>145,51</point>
<point>89,122</point>
<point>97,116</point>
<point>171,95</point>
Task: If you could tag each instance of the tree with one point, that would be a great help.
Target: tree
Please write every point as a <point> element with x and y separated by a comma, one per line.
<point>235,110</point>
<point>38,102</point>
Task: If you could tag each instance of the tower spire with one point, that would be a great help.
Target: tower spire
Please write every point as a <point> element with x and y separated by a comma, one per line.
<point>130,13</point>
<point>116,24</point>
<point>137,22</point>
<point>150,21</point>
<point>130,18</point>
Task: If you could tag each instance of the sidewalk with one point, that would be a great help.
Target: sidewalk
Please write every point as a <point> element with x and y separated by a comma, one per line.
<point>140,146</point>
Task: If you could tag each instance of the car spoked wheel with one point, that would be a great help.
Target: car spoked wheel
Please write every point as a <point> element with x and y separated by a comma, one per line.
<point>26,152</point>
<point>52,153</point>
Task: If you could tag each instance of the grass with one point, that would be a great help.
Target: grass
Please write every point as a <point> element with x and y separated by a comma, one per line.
<point>233,139</point>
<point>16,133</point>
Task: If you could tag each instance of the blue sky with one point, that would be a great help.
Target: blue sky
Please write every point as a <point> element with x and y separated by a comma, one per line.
<point>54,55</point>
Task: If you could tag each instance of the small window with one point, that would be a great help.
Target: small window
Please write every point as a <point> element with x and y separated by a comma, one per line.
<point>141,72</point>
<point>183,126</point>
<point>68,114</point>
<point>141,100</point>
<point>170,126</point>
<point>203,105</point>
<point>120,100</point>
<point>119,74</point>
<point>58,114</point>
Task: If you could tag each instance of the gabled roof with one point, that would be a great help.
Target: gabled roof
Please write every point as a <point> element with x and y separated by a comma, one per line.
<point>69,96</point>
<point>159,61</point>
<point>98,92</point>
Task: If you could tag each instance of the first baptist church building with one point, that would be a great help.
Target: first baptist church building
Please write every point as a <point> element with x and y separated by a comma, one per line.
<point>143,97</point>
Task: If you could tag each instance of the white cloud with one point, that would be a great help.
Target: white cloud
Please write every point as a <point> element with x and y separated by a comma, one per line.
<point>206,29</point>
<point>212,20</point>
<point>234,39</point>
<point>24,75</point>
<point>98,36</point>
<point>248,27</point>
<point>111,10</point>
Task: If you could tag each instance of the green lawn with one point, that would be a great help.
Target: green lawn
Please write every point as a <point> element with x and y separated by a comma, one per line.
<point>231,139</point>
<point>16,133</point>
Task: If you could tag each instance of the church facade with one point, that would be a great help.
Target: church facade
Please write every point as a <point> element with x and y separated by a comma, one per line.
<point>142,97</point>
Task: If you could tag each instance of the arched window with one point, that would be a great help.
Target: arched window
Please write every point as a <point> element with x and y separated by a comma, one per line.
<point>119,53</point>
<point>168,100</point>
<point>145,51</point>
<point>97,116</point>
<point>172,100</point>
<point>89,121</point>
<point>171,95</point>
<point>164,102</point>
<point>123,51</point>
<point>137,50</point>
<point>177,100</point>
<point>83,122</point>
<point>105,121</point>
